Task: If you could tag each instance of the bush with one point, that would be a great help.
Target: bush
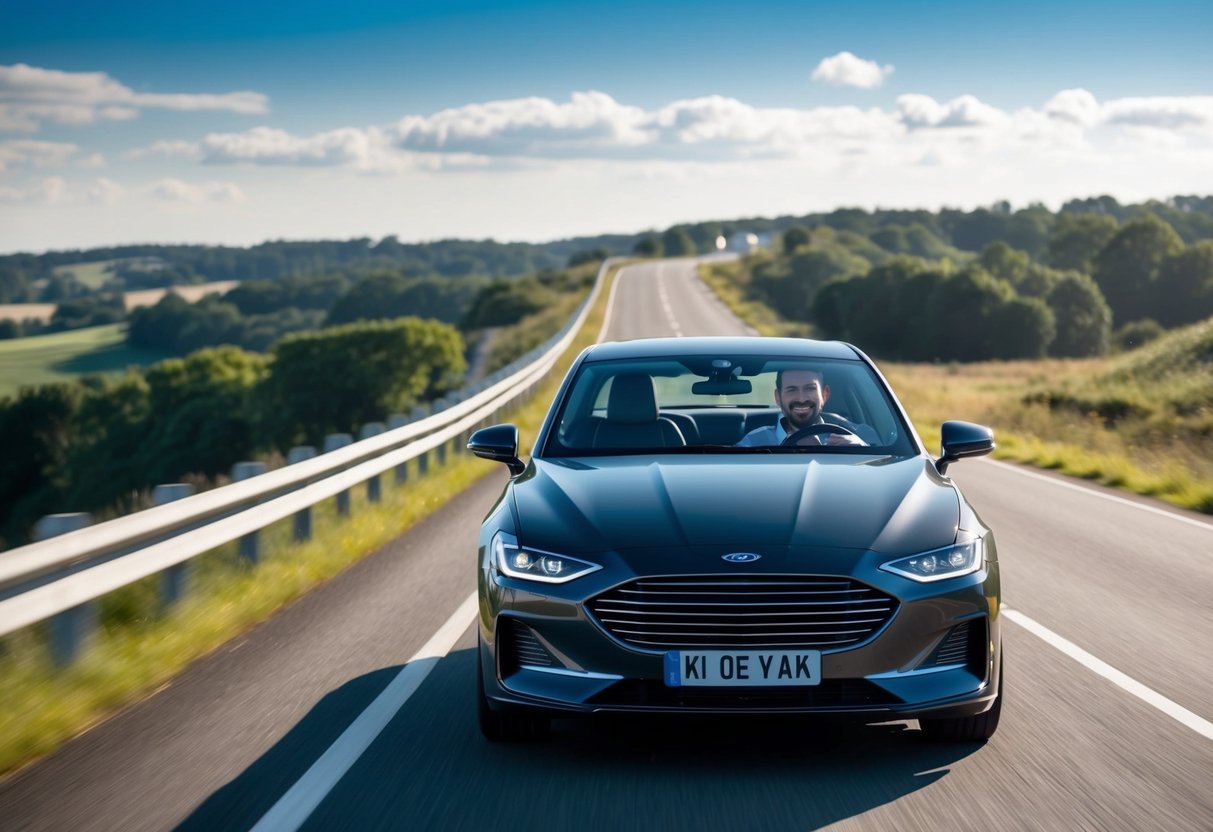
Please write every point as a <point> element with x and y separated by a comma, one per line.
<point>1137,334</point>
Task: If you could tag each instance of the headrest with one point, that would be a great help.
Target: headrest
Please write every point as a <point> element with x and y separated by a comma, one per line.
<point>632,399</point>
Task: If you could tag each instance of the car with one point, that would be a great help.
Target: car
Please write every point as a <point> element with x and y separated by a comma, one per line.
<point>729,526</point>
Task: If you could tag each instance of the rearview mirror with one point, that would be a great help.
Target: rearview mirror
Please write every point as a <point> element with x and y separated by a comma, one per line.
<point>500,444</point>
<point>962,439</point>
<point>722,387</point>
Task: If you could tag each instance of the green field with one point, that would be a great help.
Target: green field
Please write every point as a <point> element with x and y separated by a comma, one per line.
<point>94,274</point>
<point>43,359</point>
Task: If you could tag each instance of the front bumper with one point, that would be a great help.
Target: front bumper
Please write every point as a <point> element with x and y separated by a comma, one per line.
<point>888,676</point>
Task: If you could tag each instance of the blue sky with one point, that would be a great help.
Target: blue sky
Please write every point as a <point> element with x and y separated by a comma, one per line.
<point>318,147</point>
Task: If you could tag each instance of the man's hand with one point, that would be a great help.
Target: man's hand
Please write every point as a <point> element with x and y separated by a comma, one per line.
<point>843,439</point>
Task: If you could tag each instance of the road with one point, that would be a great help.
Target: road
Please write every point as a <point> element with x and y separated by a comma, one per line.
<point>1124,579</point>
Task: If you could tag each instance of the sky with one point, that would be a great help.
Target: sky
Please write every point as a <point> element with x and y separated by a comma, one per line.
<point>226,122</point>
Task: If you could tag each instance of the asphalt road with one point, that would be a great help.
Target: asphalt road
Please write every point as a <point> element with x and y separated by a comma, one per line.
<point>1123,578</point>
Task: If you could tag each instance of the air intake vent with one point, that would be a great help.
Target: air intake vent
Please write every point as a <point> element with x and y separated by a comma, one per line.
<point>727,612</point>
<point>954,649</point>
<point>526,648</point>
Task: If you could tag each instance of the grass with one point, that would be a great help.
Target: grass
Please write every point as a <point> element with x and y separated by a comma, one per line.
<point>140,647</point>
<point>62,356</point>
<point>1141,421</point>
<point>93,275</point>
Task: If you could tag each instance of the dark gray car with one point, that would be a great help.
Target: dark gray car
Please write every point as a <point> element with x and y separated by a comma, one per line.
<point>686,539</point>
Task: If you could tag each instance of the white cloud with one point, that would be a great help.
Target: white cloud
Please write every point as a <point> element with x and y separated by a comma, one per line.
<point>94,161</point>
<point>32,95</point>
<point>177,190</point>
<point>46,191</point>
<point>848,70</point>
<point>105,191</point>
<point>922,111</point>
<point>31,153</point>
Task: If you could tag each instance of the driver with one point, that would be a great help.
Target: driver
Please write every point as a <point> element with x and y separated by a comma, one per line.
<point>802,396</point>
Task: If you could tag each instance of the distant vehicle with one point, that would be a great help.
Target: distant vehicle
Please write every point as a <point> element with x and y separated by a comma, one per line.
<point>685,539</point>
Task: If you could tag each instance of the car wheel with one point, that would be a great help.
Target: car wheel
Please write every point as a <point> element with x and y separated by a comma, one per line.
<point>506,726</point>
<point>977,728</point>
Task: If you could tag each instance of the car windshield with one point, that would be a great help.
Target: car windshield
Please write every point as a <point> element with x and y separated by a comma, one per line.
<point>741,404</point>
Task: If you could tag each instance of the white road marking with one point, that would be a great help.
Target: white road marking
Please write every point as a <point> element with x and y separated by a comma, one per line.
<point>1152,697</point>
<point>1191,521</point>
<point>610,305</point>
<point>294,808</point>
<point>665,302</point>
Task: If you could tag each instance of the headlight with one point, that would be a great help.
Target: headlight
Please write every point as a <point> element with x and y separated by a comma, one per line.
<point>940,564</point>
<point>532,565</point>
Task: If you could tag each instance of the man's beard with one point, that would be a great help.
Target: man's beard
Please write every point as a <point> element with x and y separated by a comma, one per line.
<point>804,417</point>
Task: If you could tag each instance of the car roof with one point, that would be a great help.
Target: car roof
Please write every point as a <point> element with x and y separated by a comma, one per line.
<point>734,345</point>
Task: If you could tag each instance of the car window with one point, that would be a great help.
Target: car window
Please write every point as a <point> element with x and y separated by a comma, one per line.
<point>680,404</point>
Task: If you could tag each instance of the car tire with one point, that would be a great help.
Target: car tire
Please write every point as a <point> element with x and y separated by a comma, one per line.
<point>978,728</point>
<point>506,726</point>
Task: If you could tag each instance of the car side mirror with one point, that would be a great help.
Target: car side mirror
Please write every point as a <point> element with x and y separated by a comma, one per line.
<point>498,443</point>
<point>962,439</point>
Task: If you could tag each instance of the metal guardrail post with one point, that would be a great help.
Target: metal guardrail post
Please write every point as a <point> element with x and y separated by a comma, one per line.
<point>373,489</point>
<point>440,452</point>
<point>250,545</point>
<point>423,460</point>
<point>71,629</point>
<point>175,580</point>
<point>399,420</point>
<point>302,526</point>
<point>331,443</point>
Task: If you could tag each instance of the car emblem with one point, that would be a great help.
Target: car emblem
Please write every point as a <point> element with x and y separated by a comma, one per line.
<point>740,557</point>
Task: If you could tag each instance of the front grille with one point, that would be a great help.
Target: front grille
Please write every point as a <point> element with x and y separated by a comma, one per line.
<point>727,612</point>
<point>831,693</point>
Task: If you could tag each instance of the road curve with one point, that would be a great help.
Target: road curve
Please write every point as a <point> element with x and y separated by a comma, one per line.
<point>1129,585</point>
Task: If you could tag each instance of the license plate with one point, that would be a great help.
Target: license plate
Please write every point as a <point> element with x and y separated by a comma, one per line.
<point>746,668</point>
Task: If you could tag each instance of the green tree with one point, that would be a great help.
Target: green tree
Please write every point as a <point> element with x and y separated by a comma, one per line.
<point>1077,238</point>
<point>1021,328</point>
<point>676,242</point>
<point>200,417</point>
<point>1005,263</point>
<point>647,247</point>
<point>1084,321</point>
<point>1127,266</point>
<point>505,302</point>
<point>1183,292</point>
<point>38,426</point>
<point>338,378</point>
<point>794,238</point>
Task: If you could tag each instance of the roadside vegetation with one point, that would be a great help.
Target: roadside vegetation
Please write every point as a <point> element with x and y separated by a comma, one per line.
<point>139,646</point>
<point>1139,419</point>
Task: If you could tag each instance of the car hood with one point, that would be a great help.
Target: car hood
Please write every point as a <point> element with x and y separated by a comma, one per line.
<point>593,504</point>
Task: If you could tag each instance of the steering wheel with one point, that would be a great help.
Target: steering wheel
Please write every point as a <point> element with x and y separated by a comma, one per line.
<point>794,439</point>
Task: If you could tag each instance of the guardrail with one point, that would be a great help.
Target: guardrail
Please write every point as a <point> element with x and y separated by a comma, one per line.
<point>61,577</point>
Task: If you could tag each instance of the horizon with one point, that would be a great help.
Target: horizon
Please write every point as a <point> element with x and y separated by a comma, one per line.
<point>533,122</point>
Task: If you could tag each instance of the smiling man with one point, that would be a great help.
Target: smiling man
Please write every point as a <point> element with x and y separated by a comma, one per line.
<point>802,395</point>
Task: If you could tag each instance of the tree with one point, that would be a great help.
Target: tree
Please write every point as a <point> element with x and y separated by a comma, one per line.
<point>593,255</point>
<point>676,242</point>
<point>1077,239</point>
<point>1005,263</point>
<point>505,302</point>
<point>1084,321</point>
<point>1127,266</point>
<point>338,378</point>
<point>1021,328</point>
<point>794,238</point>
<point>647,247</point>
<point>1183,292</point>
